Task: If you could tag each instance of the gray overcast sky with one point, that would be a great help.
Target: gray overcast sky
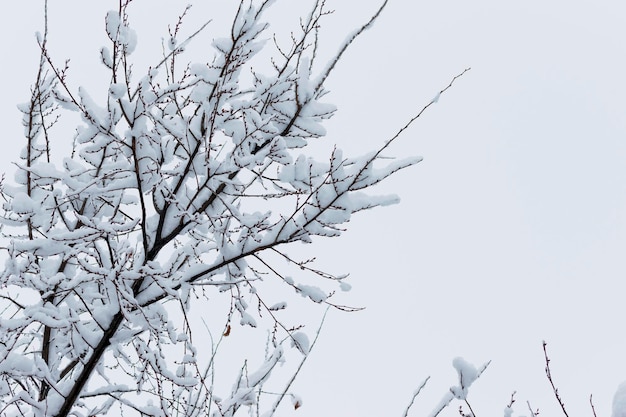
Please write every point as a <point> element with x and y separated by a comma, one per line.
<point>513,228</point>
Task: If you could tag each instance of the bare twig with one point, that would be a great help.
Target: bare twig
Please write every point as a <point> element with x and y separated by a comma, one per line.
<point>593,409</point>
<point>534,413</point>
<point>295,374</point>
<point>472,414</point>
<point>347,43</point>
<point>415,394</point>
<point>512,401</point>
<point>549,375</point>
<point>430,103</point>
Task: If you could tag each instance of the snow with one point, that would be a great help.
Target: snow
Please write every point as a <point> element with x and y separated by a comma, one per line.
<point>300,341</point>
<point>247,320</point>
<point>619,401</point>
<point>278,306</point>
<point>119,32</point>
<point>312,292</point>
<point>305,89</point>
<point>23,204</point>
<point>106,56</point>
<point>200,92</point>
<point>117,90</point>
<point>171,43</point>
<point>467,374</point>
<point>112,24</point>
<point>16,363</point>
<point>207,74</point>
<point>172,190</point>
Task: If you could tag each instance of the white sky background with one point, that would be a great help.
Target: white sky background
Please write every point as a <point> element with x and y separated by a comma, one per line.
<point>512,229</point>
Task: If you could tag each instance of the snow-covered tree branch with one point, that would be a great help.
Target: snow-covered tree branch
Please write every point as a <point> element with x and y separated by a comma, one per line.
<point>180,188</point>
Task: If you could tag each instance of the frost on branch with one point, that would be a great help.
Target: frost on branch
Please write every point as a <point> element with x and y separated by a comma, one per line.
<point>181,189</point>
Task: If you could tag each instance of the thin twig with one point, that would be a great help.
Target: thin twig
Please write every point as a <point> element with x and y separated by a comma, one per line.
<point>346,44</point>
<point>182,45</point>
<point>593,409</point>
<point>549,375</point>
<point>510,405</point>
<point>295,374</point>
<point>415,394</point>
<point>470,408</point>
<point>430,103</point>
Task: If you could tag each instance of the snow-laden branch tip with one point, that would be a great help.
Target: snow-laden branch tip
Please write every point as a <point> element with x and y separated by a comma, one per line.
<point>169,221</point>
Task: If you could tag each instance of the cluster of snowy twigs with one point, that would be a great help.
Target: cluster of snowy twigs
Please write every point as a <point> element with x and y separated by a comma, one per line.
<point>171,190</point>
